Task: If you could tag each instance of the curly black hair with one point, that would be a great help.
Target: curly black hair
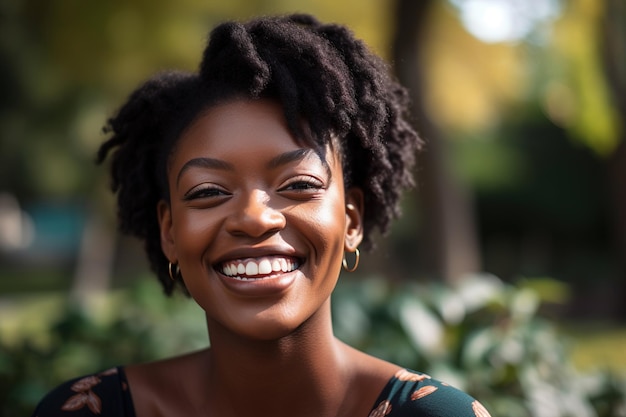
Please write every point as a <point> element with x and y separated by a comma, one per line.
<point>319,73</point>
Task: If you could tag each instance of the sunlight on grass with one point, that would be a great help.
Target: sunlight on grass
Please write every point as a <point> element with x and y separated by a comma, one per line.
<point>29,318</point>
<point>598,347</point>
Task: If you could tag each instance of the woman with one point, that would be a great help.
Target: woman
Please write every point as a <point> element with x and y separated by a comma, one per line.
<point>248,182</point>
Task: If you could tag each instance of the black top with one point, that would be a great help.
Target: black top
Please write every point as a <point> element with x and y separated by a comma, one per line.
<point>407,394</point>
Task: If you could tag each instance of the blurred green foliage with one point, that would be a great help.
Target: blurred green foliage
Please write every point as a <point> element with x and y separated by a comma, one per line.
<point>485,337</point>
<point>131,326</point>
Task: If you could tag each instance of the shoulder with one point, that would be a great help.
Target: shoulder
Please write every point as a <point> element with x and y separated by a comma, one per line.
<point>104,394</point>
<point>412,394</point>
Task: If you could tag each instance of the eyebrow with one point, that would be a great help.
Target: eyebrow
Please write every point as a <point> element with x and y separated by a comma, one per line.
<point>288,157</point>
<point>210,163</point>
<point>282,159</point>
<point>298,155</point>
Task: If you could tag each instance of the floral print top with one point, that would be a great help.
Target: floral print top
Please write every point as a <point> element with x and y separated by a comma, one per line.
<point>104,394</point>
<point>407,394</point>
<point>413,394</point>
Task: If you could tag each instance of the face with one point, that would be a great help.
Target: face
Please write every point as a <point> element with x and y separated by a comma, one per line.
<point>257,221</point>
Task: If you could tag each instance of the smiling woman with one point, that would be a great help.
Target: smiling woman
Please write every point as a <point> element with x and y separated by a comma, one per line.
<point>248,182</point>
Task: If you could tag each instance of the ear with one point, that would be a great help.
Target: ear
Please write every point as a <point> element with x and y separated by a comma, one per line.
<point>164,214</point>
<point>354,218</point>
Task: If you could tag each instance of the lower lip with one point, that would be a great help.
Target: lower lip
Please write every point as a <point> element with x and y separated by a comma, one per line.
<point>264,287</point>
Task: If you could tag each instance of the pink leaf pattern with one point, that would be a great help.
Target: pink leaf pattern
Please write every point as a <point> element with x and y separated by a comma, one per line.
<point>383,409</point>
<point>85,384</point>
<point>75,402</point>
<point>94,403</point>
<point>108,372</point>
<point>404,375</point>
<point>85,396</point>
<point>422,392</point>
<point>479,410</point>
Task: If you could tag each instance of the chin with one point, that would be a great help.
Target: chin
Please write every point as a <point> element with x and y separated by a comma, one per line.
<point>268,326</point>
<point>268,331</point>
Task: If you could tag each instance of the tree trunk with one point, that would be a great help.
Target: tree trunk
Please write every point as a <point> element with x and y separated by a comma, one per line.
<point>447,245</point>
<point>95,260</point>
<point>614,55</point>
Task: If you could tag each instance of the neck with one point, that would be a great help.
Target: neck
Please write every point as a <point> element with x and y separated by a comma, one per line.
<point>293,375</point>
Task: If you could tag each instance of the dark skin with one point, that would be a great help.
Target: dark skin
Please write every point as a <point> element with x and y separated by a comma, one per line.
<point>244,193</point>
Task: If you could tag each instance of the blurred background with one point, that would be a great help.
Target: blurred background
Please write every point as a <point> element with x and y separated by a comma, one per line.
<point>506,273</point>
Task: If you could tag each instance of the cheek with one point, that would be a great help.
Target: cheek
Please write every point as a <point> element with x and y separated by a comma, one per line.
<point>193,231</point>
<point>329,222</point>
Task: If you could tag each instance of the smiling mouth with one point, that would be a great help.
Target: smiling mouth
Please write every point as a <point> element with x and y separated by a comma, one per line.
<point>258,268</point>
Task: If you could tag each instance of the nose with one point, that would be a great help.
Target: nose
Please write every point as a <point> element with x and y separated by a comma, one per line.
<point>254,217</point>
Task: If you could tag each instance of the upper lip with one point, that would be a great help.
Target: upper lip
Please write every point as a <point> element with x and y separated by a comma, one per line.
<point>258,252</point>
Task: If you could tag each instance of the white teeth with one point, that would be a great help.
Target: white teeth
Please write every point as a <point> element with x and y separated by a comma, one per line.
<point>265,267</point>
<point>252,268</point>
<point>246,270</point>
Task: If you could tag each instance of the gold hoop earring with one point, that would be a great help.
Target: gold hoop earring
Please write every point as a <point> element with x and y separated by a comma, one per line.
<point>357,255</point>
<point>175,273</point>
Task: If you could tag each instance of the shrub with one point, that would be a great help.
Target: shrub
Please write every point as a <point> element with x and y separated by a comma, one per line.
<point>485,337</point>
<point>128,327</point>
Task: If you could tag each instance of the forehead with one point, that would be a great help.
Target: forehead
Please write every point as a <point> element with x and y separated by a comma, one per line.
<point>243,124</point>
<point>240,118</point>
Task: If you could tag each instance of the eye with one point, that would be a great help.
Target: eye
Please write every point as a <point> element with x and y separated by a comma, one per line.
<point>303,185</point>
<point>205,191</point>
